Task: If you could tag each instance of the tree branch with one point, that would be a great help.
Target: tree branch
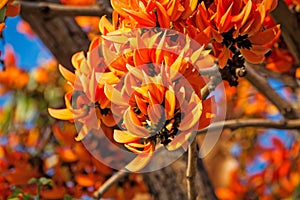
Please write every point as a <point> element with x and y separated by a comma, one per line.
<point>286,79</point>
<point>205,189</point>
<point>51,10</point>
<point>262,123</point>
<point>261,84</point>
<point>107,184</point>
<point>191,170</point>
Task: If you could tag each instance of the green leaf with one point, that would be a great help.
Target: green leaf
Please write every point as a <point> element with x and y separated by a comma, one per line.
<point>67,197</point>
<point>15,193</point>
<point>27,196</point>
<point>45,181</point>
<point>2,14</point>
<point>296,194</point>
<point>13,198</point>
<point>32,180</point>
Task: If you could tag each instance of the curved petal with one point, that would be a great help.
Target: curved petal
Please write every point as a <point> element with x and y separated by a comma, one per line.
<point>141,160</point>
<point>69,76</point>
<point>124,137</point>
<point>133,125</point>
<point>170,103</point>
<point>180,140</point>
<point>64,114</point>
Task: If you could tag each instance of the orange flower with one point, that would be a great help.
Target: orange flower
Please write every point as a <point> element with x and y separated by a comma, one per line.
<point>148,13</point>
<point>24,28</point>
<point>2,26</point>
<point>280,60</point>
<point>12,77</point>
<point>237,24</point>
<point>11,10</point>
<point>156,96</point>
<point>298,73</point>
<point>86,102</point>
<point>146,81</point>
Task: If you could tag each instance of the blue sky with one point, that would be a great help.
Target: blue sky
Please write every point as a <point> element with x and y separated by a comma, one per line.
<point>30,52</point>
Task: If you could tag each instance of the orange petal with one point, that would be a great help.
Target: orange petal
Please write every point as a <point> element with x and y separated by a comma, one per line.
<point>141,160</point>
<point>105,26</point>
<point>12,10</point>
<point>109,120</point>
<point>84,180</point>
<point>3,3</point>
<point>192,113</point>
<point>252,57</point>
<point>170,102</point>
<point>64,114</point>
<point>225,22</point>
<point>156,113</point>
<point>163,18</point>
<point>141,104</point>
<point>266,36</point>
<point>69,76</point>
<point>180,141</point>
<point>77,58</point>
<point>124,137</point>
<point>133,124</point>
<point>190,6</point>
<point>207,113</point>
<point>225,194</point>
<point>114,95</point>
<point>223,57</point>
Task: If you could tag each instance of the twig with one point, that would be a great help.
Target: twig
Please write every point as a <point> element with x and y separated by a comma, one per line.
<point>261,84</point>
<point>113,179</point>
<point>212,71</point>
<point>286,79</point>
<point>191,170</point>
<point>192,151</point>
<point>262,123</point>
<point>51,10</point>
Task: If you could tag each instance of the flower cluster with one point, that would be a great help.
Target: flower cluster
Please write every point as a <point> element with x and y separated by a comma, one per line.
<point>12,77</point>
<point>278,178</point>
<point>228,25</point>
<point>145,84</point>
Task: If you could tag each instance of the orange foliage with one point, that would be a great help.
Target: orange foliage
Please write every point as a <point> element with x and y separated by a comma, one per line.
<point>24,28</point>
<point>279,178</point>
<point>298,73</point>
<point>12,77</point>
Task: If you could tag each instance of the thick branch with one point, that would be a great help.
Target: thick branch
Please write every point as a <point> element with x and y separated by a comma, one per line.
<point>290,28</point>
<point>50,10</point>
<point>167,183</point>
<point>262,123</point>
<point>261,84</point>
